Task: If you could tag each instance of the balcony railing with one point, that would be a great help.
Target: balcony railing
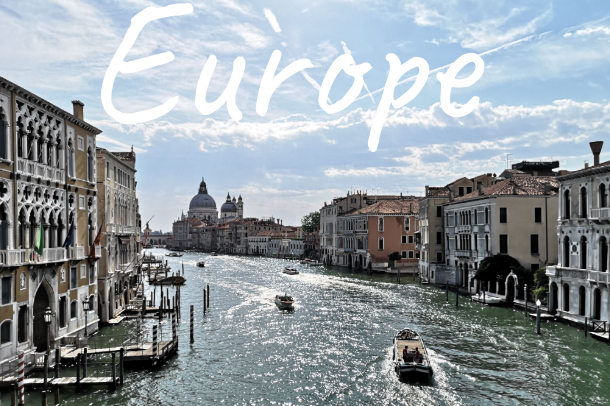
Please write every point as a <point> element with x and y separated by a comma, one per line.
<point>29,256</point>
<point>599,277</point>
<point>14,257</point>
<point>348,232</point>
<point>37,169</point>
<point>463,253</point>
<point>463,229</point>
<point>53,254</point>
<point>600,214</point>
<point>77,252</point>
<point>570,273</point>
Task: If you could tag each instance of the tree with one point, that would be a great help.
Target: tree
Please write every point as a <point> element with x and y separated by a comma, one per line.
<point>496,267</point>
<point>311,222</point>
<point>395,256</point>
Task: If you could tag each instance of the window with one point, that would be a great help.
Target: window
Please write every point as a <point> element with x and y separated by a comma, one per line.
<point>403,254</point>
<point>407,224</point>
<point>5,332</point>
<point>403,239</point>
<point>503,244</point>
<point>108,170</point>
<point>469,189</point>
<point>114,169</point>
<point>566,204</point>
<point>476,217</point>
<point>439,211</point>
<point>3,139</point>
<point>486,215</point>
<point>62,275</point>
<point>380,244</point>
<point>461,191</point>
<point>411,255</point>
<point>603,196</point>
<point>70,159</point>
<point>583,202</point>
<point>73,309</point>
<point>80,143</point>
<point>410,239</point>
<point>417,255</point>
<point>22,324</point>
<point>62,311</point>
<point>439,237</point>
<point>91,274</point>
<point>538,214</point>
<point>439,256</point>
<point>534,244</point>
<point>535,267</point>
<point>6,290</point>
<point>81,202</point>
<point>380,225</point>
<point>73,282</point>
<point>503,215</point>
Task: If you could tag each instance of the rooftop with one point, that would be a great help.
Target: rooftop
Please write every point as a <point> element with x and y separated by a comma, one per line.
<point>402,206</point>
<point>523,185</point>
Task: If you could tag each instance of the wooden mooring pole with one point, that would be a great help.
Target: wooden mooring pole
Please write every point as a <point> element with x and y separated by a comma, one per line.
<point>192,324</point>
<point>154,338</point>
<point>13,395</point>
<point>457,295</point>
<point>205,303</point>
<point>121,365</point>
<point>56,393</point>
<point>78,371</point>
<point>208,296</point>
<point>525,296</point>
<point>84,362</point>
<point>586,325</point>
<point>57,362</point>
<point>46,379</point>
<point>447,291</point>
<point>21,377</point>
<point>113,370</point>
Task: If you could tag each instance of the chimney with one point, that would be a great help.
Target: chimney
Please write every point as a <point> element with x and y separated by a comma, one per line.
<point>596,148</point>
<point>77,107</point>
<point>587,164</point>
<point>480,188</point>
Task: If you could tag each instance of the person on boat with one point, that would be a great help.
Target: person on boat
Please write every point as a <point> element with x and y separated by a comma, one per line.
<point>405,354</point>
<point>417,357</point>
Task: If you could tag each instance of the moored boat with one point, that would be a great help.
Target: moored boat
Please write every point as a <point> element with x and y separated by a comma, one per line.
<point>201,263</point>
<point>175,254</point>
<point>290,271</point>
<point>315,263</point>
<point>486,299</point>
<point>284,302</point>
<point>214,254</point>
<point>414,362</point>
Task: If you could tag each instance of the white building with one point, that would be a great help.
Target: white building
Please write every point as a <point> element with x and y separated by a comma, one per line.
<point>578,286</point>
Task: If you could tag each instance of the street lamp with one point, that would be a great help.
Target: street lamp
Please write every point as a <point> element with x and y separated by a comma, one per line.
<point>47,319</point>
<point>86,309</point>
<point>538,316</point>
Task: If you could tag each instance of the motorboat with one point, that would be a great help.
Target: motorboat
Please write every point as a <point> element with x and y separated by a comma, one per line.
<point>214,254</point>
<point>201,263</point>
<point>175,254</point>
<point>290,271</point>
<point>314,263</point>
<point>410,356</point>
<point>486,299</point>
<point>284,302</point>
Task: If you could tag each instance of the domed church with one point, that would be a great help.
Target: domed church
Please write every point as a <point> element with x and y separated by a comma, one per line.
<point>203,207</point>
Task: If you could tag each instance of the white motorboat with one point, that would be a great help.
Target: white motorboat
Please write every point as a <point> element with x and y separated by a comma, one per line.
<point>486,299</point>
<point>201,263</point>
<point>284,302</point>
<point>290,271</point>
<point>410,356</point>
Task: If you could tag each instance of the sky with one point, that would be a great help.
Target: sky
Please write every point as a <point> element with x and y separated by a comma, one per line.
<point>542,94</point>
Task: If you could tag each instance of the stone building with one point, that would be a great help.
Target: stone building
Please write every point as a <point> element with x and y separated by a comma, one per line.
<point>578,286</point>
<point>48,185</point>
<point>510,217</point>
<point>117,210</point>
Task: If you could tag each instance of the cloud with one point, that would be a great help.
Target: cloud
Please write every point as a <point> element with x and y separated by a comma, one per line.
<point>103,139</point>
<point>272,20</point>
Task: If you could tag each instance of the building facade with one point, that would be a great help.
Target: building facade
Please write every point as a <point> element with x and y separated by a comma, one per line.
<point>117,210</point>
<point>48,196</point>
<point>578,286</point>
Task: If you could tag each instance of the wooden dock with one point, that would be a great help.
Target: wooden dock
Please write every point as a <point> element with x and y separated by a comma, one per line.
<point>7,381</point>
<point>140,354</point>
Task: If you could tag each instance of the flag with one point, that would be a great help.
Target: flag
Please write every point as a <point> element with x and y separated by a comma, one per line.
<point>146,235</point>
<point>39,244</point>
<point>97,241</point>
<point>68,240</point>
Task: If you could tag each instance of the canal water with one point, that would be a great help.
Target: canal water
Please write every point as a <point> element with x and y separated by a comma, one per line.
<point>336,347</point>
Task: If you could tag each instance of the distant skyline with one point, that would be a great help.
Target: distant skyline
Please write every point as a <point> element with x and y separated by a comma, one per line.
<point>542,96</point>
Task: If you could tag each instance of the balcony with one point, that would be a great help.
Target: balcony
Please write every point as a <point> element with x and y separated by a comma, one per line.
<point>28,256</point>
<point>348,232</point>
<point>76,252</point>
<point>463,253</point>
<point>572,273</point>
<point>598,277</point>
<point>32,168</point>
<point>463,229</point>
<point>601,214</point>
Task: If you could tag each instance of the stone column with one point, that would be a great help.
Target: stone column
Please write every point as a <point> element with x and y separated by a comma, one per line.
<point>28,228</point>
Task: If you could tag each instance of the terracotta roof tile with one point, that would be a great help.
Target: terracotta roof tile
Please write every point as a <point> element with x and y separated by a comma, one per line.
<point>391,207</point>
<point>518,185</point>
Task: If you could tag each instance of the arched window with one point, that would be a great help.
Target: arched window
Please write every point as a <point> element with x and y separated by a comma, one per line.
<point>381,245</point>
<point>583,202</point>
<point>476,219</point>
<point>380,224</point>
<point>603,196</point>
<point>566,252</point>
<point>566,204</point>
<point>583,252</point>
<point>90,158</point>
<point>92,303</point>
<point>603,254</point>
<point>486,215</point>
<point>566,297</point>
<point>486,242</point>
<point>70,158</point>
<point>73,309</point>
<point>6,330</point>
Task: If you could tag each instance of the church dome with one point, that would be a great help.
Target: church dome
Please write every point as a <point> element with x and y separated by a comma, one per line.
<point>202,200</point>
<point>228,206</point>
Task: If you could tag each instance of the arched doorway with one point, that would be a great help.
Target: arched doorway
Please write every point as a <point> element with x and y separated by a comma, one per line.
<point>603,248</point>
<point>582,294</point>
<point>125,294</point>
<point>41,302</point>
<point>554,297</point>
<point>597,304</point>
<point>349,261</point>
<point>583,252</point>
<point>510,289</point>
<point>566,297</point>
<point>360,259</point>
<point>566,252</point>
<point>100,309</point>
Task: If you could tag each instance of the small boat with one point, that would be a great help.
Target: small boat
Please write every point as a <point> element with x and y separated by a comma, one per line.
<point>169,280</point>
<point>214,254</point>
<point>175,254</point>
<point>290,271</point>
<point>408,367</point>
<point>315,263</point>
<point>284,302</point>
<point>486,299</point>
<point>201,263</point>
